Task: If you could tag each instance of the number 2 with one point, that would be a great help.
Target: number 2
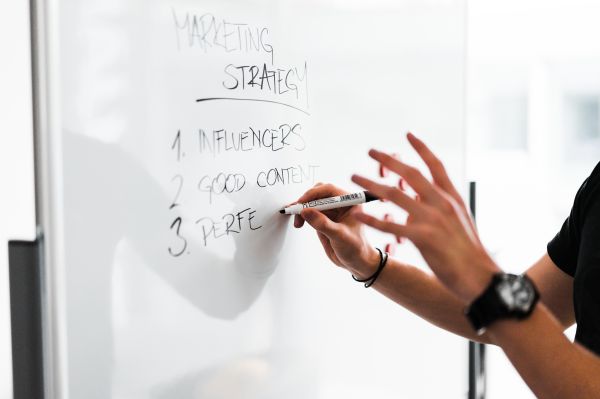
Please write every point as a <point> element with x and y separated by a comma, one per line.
<point>175,203</point>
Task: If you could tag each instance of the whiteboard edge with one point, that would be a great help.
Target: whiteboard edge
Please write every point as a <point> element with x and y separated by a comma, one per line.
<point>47,149</point>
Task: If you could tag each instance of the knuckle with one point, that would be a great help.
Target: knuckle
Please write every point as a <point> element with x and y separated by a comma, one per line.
<point>436,218</point>
<point>411,172</point>
<point>387,158</point>
<point>421,232</point>
<point>397,230</point>
<point>389,192</point>
<point>319,225</point>
<point>428,232</point>
<point>388,227</point>
<point>447,207</point>
<point>398,197</point>
<point>437,164</point>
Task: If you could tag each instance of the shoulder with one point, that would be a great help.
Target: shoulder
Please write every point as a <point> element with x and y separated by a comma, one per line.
<point>564,248</point>
<point>589,191</point>
<point>595,175</point>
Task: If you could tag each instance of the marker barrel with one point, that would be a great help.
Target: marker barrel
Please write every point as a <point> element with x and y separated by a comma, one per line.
<point>329,203</point>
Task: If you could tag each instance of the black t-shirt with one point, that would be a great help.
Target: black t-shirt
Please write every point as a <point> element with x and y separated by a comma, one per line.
<point>576,251</point>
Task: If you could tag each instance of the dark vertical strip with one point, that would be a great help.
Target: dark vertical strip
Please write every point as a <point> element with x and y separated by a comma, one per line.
<point>26,321</point>
<point>477,380</point>
<point>25,256</point>
<point>35,32</point>
<point>473,199</point>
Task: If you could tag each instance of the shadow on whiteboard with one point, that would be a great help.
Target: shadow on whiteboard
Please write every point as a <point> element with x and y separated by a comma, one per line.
<point>125,203</point>
<point>225,286</point>
<point>244,378</point>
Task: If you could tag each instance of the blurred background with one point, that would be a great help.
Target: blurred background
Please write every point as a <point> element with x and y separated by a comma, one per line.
<point>533,130</point>
<point>533,125</point>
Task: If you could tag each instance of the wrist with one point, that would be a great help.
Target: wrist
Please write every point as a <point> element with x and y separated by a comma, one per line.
<point>478,280</point>
<point>367,263</point>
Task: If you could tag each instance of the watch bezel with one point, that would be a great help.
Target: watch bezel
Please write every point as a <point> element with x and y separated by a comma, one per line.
<point>499,300</point>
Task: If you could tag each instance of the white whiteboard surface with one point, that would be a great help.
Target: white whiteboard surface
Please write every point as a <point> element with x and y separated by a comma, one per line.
<point>160,289</point>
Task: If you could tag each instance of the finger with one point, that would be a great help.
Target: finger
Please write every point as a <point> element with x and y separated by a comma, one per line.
<point>298,200</point>
<point>397,230</point>
<point>435,166</point>
<point>327,247</point>
<point>391,193</point>
<point>411,174</point>
<point>438,172</point>
<point>298,220</point>
<point>324,241</point>
<point>321,191</point>
<point>321,223</point>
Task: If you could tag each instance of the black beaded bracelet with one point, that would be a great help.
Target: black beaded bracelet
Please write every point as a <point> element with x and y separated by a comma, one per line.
<point>369,281</point>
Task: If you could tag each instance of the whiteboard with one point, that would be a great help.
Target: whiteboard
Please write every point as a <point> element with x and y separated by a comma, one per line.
<point>174,132</point>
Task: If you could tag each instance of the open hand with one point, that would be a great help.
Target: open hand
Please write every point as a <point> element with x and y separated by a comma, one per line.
<point>438,224</point>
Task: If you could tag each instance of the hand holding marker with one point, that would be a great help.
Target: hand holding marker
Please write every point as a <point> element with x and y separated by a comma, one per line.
<point>331,203</point>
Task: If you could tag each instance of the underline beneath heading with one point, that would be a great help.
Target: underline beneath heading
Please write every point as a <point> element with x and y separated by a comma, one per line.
<point>253,100</point>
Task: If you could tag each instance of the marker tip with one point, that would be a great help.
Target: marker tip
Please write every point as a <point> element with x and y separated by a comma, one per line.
<point>282,211</point>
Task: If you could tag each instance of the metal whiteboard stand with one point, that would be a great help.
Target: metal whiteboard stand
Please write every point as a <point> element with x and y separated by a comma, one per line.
<point>26,319</point>
<point>476,349</point>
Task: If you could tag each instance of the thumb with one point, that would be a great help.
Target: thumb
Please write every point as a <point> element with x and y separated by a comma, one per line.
<point>321,223</point>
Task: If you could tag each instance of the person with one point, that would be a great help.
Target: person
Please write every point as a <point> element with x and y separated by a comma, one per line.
<point>467,293</point>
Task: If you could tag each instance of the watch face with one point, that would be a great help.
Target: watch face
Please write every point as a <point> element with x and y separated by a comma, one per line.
<point>516,292</point>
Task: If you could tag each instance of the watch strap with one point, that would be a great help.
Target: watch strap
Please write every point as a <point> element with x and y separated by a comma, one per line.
<point>486,308</point>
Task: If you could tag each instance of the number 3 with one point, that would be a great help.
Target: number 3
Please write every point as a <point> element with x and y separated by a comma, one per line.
<point>177,222</point>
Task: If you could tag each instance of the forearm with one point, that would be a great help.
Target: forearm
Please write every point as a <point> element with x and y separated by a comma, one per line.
<point>424,295</point>
<point>550,364</point>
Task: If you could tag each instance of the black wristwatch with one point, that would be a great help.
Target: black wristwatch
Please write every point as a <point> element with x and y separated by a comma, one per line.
<point>507,297</point>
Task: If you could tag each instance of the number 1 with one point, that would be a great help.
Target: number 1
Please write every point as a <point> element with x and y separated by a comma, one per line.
<point>177,143</point>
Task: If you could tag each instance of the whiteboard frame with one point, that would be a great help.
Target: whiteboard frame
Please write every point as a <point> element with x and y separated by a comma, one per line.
<point>45,72</point>
<point>46,115</point>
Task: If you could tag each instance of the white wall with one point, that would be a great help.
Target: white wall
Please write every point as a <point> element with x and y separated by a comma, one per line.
<point>17,219</point>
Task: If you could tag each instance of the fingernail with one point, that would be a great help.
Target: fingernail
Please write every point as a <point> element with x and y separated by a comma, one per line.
<point>402,184</point>
<point>390,249</point>
<point>383,172</point>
